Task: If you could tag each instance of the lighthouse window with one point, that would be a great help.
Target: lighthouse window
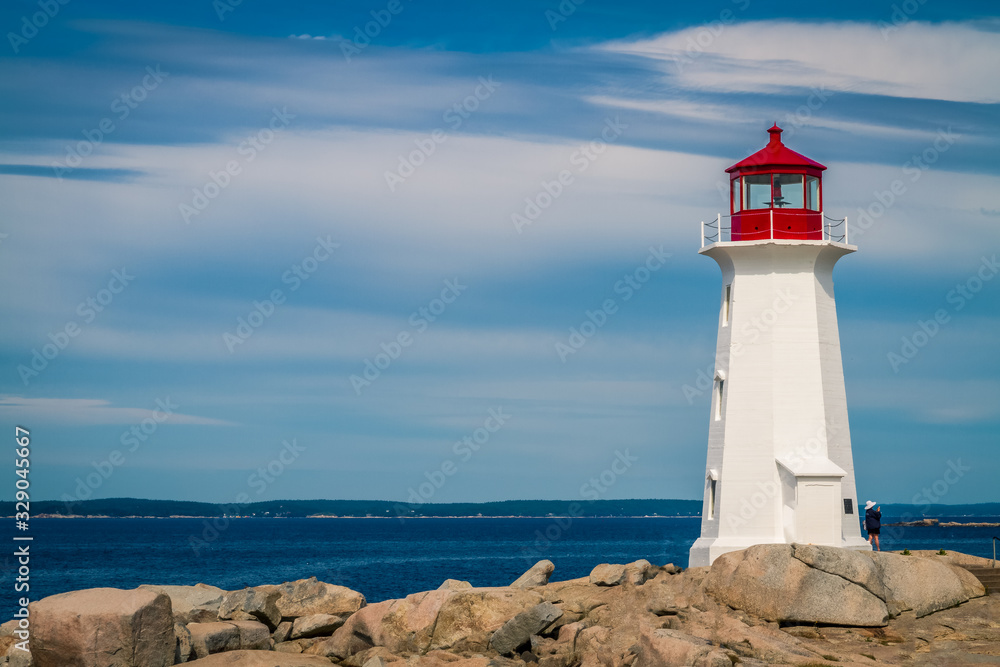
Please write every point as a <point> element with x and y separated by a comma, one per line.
<point>736,195</point>
<point>812,193</point>
<point>718,399</point>
<point>725,303</point>
<point>757,191</point>
<point>711,499</point>
<point>788,191</point>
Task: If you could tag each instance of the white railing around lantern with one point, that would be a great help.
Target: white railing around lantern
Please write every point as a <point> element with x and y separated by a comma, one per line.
<point>714,232</point>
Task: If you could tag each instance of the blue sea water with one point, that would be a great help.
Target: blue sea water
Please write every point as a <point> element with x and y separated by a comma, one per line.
<point>382,558</point>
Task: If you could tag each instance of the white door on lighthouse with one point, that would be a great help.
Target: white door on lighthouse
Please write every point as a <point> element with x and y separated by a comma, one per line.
<point>817,501</point>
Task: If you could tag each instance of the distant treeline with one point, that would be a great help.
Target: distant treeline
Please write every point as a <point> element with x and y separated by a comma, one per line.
<point>920,511</point>
<point>119,507</point>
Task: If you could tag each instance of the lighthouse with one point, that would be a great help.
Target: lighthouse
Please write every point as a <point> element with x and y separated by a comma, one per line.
<point>779,466</point>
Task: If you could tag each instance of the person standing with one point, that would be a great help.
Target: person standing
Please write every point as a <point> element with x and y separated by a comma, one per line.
<point>873,523</point>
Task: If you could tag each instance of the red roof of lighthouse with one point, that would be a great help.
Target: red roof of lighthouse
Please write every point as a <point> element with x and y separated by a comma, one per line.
<point>776,154</point>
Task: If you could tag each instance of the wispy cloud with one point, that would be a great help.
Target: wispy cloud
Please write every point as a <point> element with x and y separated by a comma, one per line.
<point>919,60</point>
<point>91,411</point>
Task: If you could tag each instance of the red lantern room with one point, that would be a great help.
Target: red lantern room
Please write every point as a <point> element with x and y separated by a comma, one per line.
<point>776,193</point>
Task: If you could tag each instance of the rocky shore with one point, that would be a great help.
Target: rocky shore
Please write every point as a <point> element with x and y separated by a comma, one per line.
<point>769,604</point>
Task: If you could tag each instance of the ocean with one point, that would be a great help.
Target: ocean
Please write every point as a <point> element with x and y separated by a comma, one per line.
<point>382,558</point>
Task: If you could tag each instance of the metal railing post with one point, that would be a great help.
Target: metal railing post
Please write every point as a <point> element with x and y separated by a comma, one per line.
<point>718,224</point>
<point>846,228</point>
<point>702,233</point>
<point>772,224</point>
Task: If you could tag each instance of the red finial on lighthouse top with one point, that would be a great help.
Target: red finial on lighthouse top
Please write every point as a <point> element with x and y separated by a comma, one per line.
<point>775,133</point>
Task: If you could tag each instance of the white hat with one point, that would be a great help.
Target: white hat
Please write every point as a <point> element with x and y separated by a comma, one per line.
<point>870,504</point>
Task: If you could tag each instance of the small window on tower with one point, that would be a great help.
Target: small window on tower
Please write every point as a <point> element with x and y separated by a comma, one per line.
<point>718,399</point>
<point>711,499</point>
<point>736,195</point>
<point>727,298</point>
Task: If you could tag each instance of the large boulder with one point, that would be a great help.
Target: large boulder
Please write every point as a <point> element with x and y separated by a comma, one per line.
<point>283,632</point>
<point>636,573</point>
<point>920,584</point>
<point>315,625</point>
<point>103,627</point>
<point>362,631</point>
<point>851,565</point>
<point>8,639</point>
<point>249,604</point>
<point>306,597</point>
<point>441,619</point>
<point>970,583</point>
<point>253,635</point>
<point>577,596</point>
<point>665,648</point>
<point>750,638</point>
<point>192,604</point>
<point>767,581</point>
<point>182,650</point>
<point>221,636</point>
<point>640,571</point>
<point>538,575</point>
<point>518,631</point>
<point>606,574</point>
<point>260,659</point>
<point>12,656</point>
<point>467,619</point>
<point>300,646</point>
<point>398,625</point>
<point>209,638</point>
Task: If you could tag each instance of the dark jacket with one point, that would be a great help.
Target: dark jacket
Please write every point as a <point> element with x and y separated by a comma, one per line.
<point>873,519</point>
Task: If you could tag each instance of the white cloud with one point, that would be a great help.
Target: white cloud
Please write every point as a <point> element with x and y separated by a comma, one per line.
<point>678,108</point>
<point>950,61</point>
<point>452,218</point>
<point>91,411</point>
<point>736,113</point>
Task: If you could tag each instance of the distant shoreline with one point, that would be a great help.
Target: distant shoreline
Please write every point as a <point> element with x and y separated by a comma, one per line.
<point>559,510</point>
<point>936,523</point>
<point>923,523</point>
<point>331,516</point>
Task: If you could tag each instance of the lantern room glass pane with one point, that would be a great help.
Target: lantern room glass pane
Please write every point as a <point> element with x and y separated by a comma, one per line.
<point>788,191</point>
<point>757,191</point>
<point>812,193</point>
<point>736,195</point>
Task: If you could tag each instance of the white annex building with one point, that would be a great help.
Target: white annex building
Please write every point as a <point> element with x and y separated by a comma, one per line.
<point>780,467</point>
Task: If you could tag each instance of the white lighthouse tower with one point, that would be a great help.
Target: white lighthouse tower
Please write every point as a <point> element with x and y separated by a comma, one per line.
<point>779,467</point>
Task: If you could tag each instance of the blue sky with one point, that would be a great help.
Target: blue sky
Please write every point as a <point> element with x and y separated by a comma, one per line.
<point>167,172</point>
